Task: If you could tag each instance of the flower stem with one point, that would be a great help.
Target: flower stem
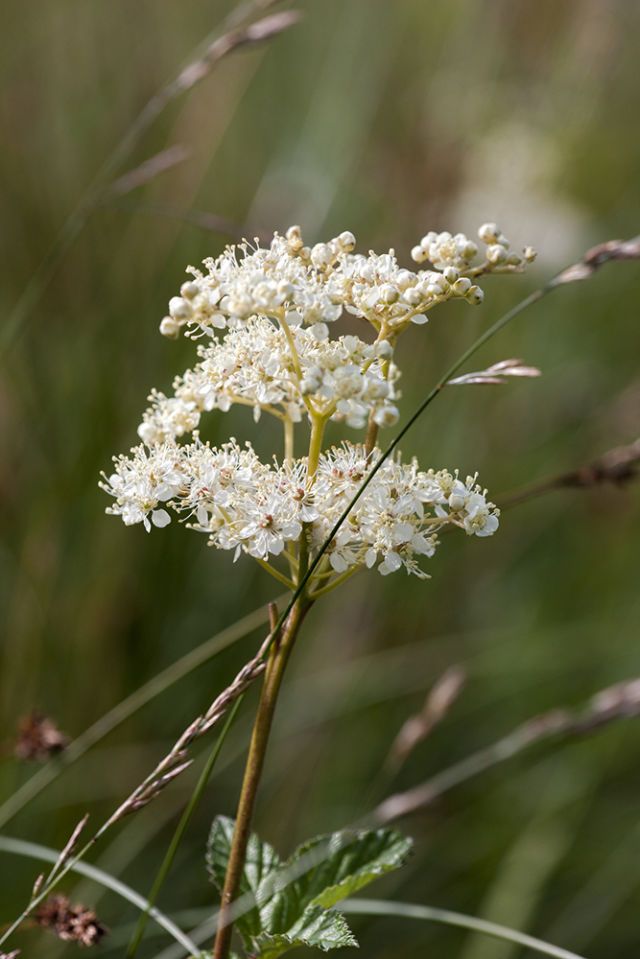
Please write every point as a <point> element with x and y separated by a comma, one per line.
<point>318,424</point>
<point>288,438</point>
<point>278,658</point>
<point>372,436</point>
<point>342,578</point>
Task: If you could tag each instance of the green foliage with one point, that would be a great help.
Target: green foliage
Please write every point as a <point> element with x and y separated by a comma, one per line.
<point>261,861</point>
<point>317,927</point>
<point>293,900</point>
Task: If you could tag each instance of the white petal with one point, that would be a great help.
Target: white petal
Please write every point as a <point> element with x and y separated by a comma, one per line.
<point>160,518</point>
<point>338,562</point>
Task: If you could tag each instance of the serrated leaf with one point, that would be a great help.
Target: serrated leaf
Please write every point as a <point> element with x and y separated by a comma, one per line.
<point>261,860</point>
<point>327,869</point>
<point>293,900</point>
<point>323,929</point>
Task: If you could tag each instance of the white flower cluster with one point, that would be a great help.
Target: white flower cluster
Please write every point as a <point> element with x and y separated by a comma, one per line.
<point>456,252</point>
<point>286,279</point>
<point>266,315</point>
<point>248,506</point>
<point>341,379</point>
<point>314,285</point>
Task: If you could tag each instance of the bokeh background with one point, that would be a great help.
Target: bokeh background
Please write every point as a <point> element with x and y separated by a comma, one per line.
<point>387,119</point>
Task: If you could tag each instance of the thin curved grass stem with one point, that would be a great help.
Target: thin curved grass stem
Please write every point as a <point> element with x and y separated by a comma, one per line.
<point>32,850</point>
<point>380,907</point>
<point>185,819</point>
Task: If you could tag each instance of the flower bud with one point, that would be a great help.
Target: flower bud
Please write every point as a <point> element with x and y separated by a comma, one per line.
<point>489,232</point>
<point>170,328</point>
<point>475,296</point>
<point>413,296</point>
<point>419,254</point>
<point>189,290</point>
<point>496,253</point>
<point>389,294</point>
<point>179,309</point>
<point>320,255</point>
<point>404,279</point>
<point>347,241</point>
<point>294,239</point>
<point>462,286</point>
<point>377,389</point>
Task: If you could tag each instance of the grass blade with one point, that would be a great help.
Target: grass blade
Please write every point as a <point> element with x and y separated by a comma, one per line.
<point>31,850</point>
<point>407,910</point>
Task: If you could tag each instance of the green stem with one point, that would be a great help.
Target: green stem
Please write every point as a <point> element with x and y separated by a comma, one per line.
<point>185,819</point>
<point>318,424</point>
<point>278,658</point>
<point>275,573</point>
<point>372,436</point>
<point>342,578</point>
<point>288,438</point>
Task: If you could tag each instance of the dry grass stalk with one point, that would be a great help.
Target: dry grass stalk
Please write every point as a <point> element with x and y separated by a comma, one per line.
<point>149,170</point>
<point>597,256</point>
<point>439,701</point>
<point>201,219</point>
<point>257,32</point>
<point>176,761</point>
<point>496,374</point>
<point>621,701</point>
<point>68,849</point>
<point>232,38</point>
<point>618,466</point>
<point>37,886</point>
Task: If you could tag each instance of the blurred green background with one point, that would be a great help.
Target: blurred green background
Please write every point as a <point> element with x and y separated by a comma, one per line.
<point>388,119</point>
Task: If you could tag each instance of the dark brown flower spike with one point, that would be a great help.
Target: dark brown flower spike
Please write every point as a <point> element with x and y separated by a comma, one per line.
<point>70,923</point>
<point>39,738</point>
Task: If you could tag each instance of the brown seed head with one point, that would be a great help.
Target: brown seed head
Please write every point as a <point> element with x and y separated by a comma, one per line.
<point>70,923</point>
<point>39,738</point>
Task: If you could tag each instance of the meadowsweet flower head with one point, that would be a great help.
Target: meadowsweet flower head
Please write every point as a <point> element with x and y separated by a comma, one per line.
<point>254,365</point>
<point>266,322</point>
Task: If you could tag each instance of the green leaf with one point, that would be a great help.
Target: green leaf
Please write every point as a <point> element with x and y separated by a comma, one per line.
<point>327,869</point>
<point>261,860</point>
<point>320,928</point>
<point>292,901</point>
